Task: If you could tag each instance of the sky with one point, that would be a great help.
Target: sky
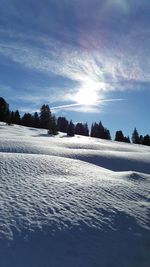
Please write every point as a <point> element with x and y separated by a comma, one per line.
<point>88,59</point>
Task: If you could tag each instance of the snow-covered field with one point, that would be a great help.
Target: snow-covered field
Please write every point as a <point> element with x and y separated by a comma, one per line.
<point>72,202</point>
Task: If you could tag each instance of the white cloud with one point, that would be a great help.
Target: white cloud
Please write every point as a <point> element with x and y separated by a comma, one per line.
<point>76,64</point>
<point>95,108</point>
<point>114,68</point>
<point>77,108</point>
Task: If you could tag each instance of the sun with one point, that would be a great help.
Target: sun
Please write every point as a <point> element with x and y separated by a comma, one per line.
<point>87,94</point>
<point>86,97</point>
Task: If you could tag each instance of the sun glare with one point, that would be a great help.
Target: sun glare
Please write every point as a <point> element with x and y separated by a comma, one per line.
<point>88,93</point>
<point>86,97</point>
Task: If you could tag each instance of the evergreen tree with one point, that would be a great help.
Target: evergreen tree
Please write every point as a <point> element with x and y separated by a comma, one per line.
<point>8,117</point>
<point>98,130</point>
<point>79,129</point>
<point>126,139</point>
<point>53,126</point>
<point>92,130</point>
<point>70,129</point>
<point>27,120</point>
<point>36,120</point>
<point>141,139</point>
<point>12,117</point>
<point>62,124</point>
<point>146,140</point>
<point>107,134</point>
<point>45,117</point>
<point>135,137</point>
<point>82,129</point>
<point>17,118</point>
<point>101,131</point>
<point>86,129</point>
<point>119,136</point>
<point>4,110</point>
<point>95,130</point>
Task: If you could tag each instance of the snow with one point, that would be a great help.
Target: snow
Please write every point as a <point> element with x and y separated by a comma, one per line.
<point>76,201</point>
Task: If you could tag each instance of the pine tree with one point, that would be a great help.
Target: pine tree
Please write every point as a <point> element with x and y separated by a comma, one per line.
<point>45,117</point>
<point>27,120</point>
<point>141,139</point>
<point>17,118</point>
<point>12,117</point>
<point>92,130</point>
<point>95,130</point>
<point>62,124</point>
<point>126,139</point>
<point>119,136</point>
<point>86,129</point>
<point>146,140</point>
<point>53,126</point>
<point>4,110</point>
<point>36,120</point>
<point>135,137</point>
<point>79,129</point>
<point>101,131</point>
<point>70,129</point>
<point>8,117</point>
<point>107,134</point>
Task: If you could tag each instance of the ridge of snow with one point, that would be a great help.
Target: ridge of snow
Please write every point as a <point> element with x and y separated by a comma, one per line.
<point>72,201</point>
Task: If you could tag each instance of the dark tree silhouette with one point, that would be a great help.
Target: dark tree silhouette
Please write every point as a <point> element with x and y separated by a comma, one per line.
<point>146,140</point>
<point>101,131</point>
<point>27,120</point>
<point>141,139</point>
<point>119,136</point>
<point>95,130</point>
<point>36,120</point>
<point>62,124</point>
<point>107,134</point>
<point>4,110</point>
<point>126,139</point>
<point>12,117</point>
<point>135,137</point>
<point>86,129</point>
<point>17,118</point>
<point>70,129</point>
<point>98,130</point>
<point>45,117</point>
<point>82,129</point>
<point>92,131</point>
<point>53,129</point>
<point>79,129</point>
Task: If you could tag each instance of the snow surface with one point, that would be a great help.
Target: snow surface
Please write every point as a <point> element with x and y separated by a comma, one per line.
<point>72,202</point>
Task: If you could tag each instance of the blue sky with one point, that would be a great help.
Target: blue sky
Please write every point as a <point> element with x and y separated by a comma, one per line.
<point>88,59</point>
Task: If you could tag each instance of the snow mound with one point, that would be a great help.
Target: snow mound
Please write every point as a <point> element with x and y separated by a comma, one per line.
<point>60,207</point>
<point>114,156</point>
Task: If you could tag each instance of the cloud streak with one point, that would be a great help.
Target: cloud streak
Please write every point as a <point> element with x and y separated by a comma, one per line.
<point>78,42</point>
<point>85,108</point>
<point>75,64</point>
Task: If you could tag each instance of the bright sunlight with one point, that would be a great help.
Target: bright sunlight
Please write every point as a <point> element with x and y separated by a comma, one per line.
<point>86,97</point>
<point>88,94</point>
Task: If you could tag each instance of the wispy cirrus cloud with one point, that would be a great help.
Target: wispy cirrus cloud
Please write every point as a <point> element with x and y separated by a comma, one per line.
<point>100,42</point>
<point>76,64</point>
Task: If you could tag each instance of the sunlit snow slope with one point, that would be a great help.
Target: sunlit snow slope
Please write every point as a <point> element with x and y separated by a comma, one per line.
<point>72,202</point>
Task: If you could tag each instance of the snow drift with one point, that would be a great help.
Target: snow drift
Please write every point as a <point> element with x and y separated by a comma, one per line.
<point>72,201</point>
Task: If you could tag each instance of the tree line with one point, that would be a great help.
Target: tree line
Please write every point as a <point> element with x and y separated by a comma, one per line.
<point>46,120</point>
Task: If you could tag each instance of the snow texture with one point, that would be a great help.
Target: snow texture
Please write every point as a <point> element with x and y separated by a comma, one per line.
<point>72,202</point>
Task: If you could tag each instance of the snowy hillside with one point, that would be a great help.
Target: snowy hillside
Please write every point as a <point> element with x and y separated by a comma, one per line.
<point>72,202</point>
